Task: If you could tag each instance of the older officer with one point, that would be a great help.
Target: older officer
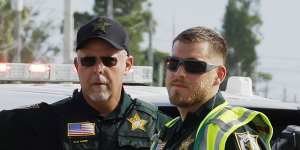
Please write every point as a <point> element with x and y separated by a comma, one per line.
<point>101,115</point>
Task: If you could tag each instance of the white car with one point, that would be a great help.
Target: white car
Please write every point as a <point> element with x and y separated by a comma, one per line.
<point>238,93</point>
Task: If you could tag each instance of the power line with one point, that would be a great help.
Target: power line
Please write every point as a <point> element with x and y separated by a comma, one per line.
<point>280,69</point>
<point>279,58</point>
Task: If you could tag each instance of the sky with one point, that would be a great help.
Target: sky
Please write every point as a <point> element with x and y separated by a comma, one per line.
<point>278,51</point>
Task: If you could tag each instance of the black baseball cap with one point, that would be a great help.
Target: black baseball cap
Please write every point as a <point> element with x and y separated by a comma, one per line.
<point>103,28</point>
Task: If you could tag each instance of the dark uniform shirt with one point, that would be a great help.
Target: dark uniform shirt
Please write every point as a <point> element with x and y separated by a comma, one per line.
<point>182,134</point>
<point>71,124</point>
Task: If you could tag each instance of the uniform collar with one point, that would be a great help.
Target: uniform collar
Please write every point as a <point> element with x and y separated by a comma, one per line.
<point>183,129</point>
<point>210,105</point>
<point>194,118</point>
<point>83,106</point>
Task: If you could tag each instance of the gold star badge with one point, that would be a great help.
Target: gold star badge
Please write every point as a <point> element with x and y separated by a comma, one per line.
<point>101,25</point>
<point>137,122</point>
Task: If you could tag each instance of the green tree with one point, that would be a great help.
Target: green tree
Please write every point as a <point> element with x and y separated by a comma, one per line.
<point>34,35</point>
<point>240,29</point>
<point>131,15</point>
<point>6,29</point>
<point>35,39</point>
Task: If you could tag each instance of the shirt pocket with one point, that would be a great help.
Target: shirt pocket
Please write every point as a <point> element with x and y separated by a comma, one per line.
<point>134,141</point>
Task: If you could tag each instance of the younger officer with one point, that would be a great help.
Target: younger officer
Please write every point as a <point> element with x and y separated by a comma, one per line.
<point>101,115</point>
<point>194,73</point>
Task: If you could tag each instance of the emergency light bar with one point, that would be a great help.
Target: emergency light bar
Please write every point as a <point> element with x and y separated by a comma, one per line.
<point>63,73</point>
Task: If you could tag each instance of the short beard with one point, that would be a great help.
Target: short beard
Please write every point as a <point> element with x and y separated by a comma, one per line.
<point>199,96</point>
<point>179,101</point>
<point>99,97</point>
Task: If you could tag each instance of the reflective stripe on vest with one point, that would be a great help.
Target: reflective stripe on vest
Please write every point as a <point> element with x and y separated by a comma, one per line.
<point>172,122</point>
<point>222,121</point>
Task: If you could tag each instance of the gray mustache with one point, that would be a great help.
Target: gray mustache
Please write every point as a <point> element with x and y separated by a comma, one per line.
<point>100,79</point>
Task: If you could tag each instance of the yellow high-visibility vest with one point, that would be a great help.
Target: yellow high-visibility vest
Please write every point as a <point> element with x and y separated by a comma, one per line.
<point>222,121</point>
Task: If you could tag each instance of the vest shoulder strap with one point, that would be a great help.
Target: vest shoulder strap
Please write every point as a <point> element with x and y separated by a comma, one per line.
<point>213,131</point>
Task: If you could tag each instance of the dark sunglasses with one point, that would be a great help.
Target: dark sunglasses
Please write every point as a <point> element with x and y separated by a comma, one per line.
<point>190,66</point>
<point>90,61</point>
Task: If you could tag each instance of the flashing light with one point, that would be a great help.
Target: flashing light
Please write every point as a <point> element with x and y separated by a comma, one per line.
<point>4,67</point>
<point>38,68</point>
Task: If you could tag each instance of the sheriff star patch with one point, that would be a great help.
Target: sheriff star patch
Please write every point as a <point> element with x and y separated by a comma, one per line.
<point>247,141</point>
<point>137,122</point>
<point>101,25</point>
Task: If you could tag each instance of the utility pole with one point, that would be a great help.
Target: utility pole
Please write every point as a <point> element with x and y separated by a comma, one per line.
<point>68,32</point>
<point>161,74</point>
<point>239,69</point>
<point>17,6</point>
<point>173,26</point>
<point>150,48</point>
<point>267,90</point>
<point>110,9</point>
<point>284,98</point>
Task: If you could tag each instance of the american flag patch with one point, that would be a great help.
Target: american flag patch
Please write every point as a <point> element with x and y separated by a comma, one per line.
<point>81,129</point>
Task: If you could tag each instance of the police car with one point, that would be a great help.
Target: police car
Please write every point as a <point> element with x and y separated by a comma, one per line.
<point>52,82</point>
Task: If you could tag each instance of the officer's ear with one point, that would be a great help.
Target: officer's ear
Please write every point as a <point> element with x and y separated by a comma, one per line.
<point>76,63</point>
<point>221,74</point>
<point>129,64</point>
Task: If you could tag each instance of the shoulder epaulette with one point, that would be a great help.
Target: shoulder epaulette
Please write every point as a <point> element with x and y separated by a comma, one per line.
<point>37,106</point>
<point>62,102</point>
<point>146,107</point>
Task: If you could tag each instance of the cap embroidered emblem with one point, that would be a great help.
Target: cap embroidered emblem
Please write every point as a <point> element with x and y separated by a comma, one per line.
<point>137,122</point>
<point>247,141</point>
<point>101,25</point>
